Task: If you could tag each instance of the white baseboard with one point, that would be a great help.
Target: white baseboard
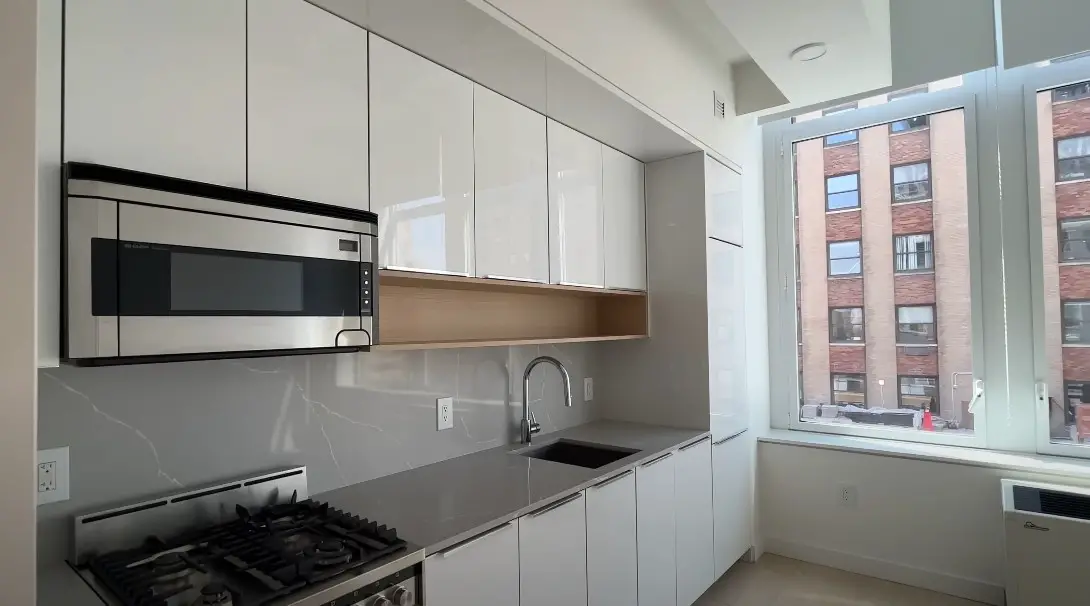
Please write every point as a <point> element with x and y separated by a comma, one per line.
<point>970,589</point>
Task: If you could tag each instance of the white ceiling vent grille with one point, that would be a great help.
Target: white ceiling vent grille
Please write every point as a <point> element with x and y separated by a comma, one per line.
<point>720,108</point>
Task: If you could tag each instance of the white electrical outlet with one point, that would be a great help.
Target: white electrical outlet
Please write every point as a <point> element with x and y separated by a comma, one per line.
<point>52,475</point>
<point>444,413</point>
<point>849,497</point>
<point>588,389</point>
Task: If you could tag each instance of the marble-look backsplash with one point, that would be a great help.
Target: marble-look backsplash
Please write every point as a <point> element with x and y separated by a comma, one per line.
<point>141,431</point>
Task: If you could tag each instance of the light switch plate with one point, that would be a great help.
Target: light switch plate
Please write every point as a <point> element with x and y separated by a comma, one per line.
<point>52,475</point>
<point>444,413</point>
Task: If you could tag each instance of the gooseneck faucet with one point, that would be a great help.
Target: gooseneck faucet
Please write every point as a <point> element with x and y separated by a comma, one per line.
<point>529,425</point>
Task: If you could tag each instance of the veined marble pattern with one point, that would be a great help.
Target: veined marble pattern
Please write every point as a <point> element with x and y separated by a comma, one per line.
<point>141,431</point>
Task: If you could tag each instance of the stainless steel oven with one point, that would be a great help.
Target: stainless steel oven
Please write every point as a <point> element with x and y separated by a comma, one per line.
<point>162,269</point>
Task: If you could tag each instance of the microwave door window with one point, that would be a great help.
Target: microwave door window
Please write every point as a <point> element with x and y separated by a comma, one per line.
<point>210,282</point>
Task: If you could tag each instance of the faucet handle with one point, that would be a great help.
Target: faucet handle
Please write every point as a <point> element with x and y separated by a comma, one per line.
<point>535,427</point>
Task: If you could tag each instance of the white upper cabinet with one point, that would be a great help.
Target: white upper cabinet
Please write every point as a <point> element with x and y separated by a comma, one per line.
<point>625,240</point>
<point>576,238</point>
<point>732,466</point>
<point>726,340</point>
<point>512,199</point>
<point>158,87</point>
<point>421,161</point>
<point>724,202</point>
<point>306,104</point>
<point>695,548</point>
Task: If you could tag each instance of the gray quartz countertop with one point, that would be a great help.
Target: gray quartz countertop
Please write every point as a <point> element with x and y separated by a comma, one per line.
<point>442,504</point>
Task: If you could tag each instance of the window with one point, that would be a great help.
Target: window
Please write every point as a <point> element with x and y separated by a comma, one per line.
<point>1080,90</point>
<point>845,259</point>
<point>842,191</point>
<point>907,92</point>
<point>848,136</point>
<point>913,253</point>
<point>850,390</point>
<point>915,324</point>
<point>1075,240</point>
<point>846,325</point>
<point>911,182</point>
<point>901,126</point>
<point>1076,318</point>
<point>1073,158</point>
<point>919,393</point>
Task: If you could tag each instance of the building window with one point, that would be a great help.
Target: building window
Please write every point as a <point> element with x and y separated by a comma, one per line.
<point>1076,392</point>
<point>845,258</point>
<point>915,324</point>
<point>911,182</point>
<point>1073,158</point>
<point>848,136</point>
<point>902,126</point>
<point>907,92</point>
<point>850,390</point>
<point>1076,321</point>
<point>918,393</point>
<point>846,325</point>
<point>839,109</point>
<point>1079,90</point>
<point>1075,240</point>
<point>913,253</point>
<point>842,191</point>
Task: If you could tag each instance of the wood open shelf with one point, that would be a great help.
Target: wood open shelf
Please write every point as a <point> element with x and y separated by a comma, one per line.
<point>433,311</point>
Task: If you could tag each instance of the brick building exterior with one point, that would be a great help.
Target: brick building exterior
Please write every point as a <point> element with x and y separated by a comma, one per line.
<point>893,251</point>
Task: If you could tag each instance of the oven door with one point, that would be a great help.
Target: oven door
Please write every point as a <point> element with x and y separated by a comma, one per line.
<point>200,283</point>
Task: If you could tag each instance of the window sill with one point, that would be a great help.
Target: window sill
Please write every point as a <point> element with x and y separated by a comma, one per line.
<point>907,202</point>
<point>957,455</point>
<point>847,343</point>
<point>916,344</point>
<point>922,272</point>
<point>1073,182</point>
<point>846,277</point>
<point>1068,263</point>
<point>837,211</point>
<point>1076,345</point>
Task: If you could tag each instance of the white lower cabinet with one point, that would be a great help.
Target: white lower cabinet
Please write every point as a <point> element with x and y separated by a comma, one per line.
<point>693,500</point>
<point>611,541</point>
<point>482,570</point>
<point>655,534</point>
<point>553,555</point>
<point>732,463</point>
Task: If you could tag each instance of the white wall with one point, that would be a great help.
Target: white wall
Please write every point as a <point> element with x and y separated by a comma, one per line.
<point>643,48</point>
<point>18,374</point>
<point>923,523</point>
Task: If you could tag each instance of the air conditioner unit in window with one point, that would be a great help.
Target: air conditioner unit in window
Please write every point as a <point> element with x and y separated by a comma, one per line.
<point>1047,531</point>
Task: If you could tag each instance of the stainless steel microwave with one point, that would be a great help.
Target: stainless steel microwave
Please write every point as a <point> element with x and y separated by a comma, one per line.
<point>162,269</point>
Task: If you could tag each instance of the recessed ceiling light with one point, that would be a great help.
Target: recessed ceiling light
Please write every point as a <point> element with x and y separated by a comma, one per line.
<point>809,52</point>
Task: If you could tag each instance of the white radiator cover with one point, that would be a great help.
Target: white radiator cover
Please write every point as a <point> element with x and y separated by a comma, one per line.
<point>1046,559</point>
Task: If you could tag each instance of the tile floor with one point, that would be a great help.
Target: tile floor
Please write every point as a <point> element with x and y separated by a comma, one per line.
<point>780,581</point>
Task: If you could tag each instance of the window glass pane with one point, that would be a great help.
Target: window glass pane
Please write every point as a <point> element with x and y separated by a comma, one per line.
<point>838,138</point>
<point>1069,169</point>
<point>907,124</point>
<point>1073,147</point>
<point>1075,240</point>
<point>847,199</point>
<point>851,366</point>
<point>1076,322</point>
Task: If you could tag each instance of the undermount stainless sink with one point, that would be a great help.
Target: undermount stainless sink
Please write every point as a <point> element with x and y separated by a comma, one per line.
<point>582,454</point>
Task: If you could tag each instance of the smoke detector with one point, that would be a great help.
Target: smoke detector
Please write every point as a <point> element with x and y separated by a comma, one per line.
<point>809,52</point>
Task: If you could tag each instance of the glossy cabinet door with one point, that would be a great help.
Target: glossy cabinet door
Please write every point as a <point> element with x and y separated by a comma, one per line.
<point>553,555</point>
<point>625,235</point>
<point>726,339</point>
<point>723,189</point>
<point>576,239</point>
<point>512,192</point>
<point>482,570</point>
<point>611,541</point>
<point>695,547</point>
<point>732,468</point>
<point>306,104</point>
<point>158,87</point>
<point>655,533</point>
<point>421,161</point>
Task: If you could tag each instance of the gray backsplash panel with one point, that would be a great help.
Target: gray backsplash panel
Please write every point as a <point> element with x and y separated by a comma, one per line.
<point>141,431</point>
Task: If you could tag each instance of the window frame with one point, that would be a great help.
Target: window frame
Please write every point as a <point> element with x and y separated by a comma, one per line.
<point>862,376</point>
<point>1060,240</point>
<point>1056,157</point>
<point>897,325</point>
<point>931,253</point>
<point>893,184</point>
<point>985,255</point>
<point>829,258</point>
<point>854,141</point>
<point>1063,321</point>
<point>858,192</point>
<point>938,392</point>
<point>1055,100</point>
<point>863,328</point>
<point>926,125</point>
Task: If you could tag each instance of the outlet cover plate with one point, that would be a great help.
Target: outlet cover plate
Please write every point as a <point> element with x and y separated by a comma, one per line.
<point>588,389</point>
<point>444,413</point>
<point>52,470</point>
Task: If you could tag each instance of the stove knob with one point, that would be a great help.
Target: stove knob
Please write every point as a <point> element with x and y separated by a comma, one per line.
<point>401,597</point>
<point>381,601</point>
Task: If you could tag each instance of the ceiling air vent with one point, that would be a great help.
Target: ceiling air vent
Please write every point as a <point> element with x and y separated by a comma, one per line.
<point>720,109</point>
